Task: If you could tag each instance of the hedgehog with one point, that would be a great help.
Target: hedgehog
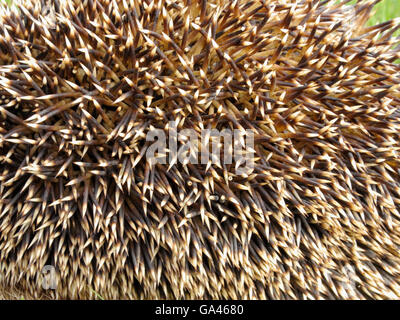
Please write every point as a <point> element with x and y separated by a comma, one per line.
<point>82,83</point>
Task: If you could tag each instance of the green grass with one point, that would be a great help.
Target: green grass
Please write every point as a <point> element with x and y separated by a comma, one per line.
<point>386,10</point>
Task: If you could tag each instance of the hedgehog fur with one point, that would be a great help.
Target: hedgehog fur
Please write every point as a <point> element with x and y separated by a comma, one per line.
<point>82,82</point>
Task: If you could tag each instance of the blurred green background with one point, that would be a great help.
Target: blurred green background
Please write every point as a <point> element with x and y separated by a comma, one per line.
<point>386,10</point>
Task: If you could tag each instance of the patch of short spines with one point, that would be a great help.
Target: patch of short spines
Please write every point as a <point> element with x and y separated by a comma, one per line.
<point>84,81</point>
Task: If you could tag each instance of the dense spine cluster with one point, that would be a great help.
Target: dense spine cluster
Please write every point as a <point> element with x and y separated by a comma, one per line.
<point>83,81</point>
